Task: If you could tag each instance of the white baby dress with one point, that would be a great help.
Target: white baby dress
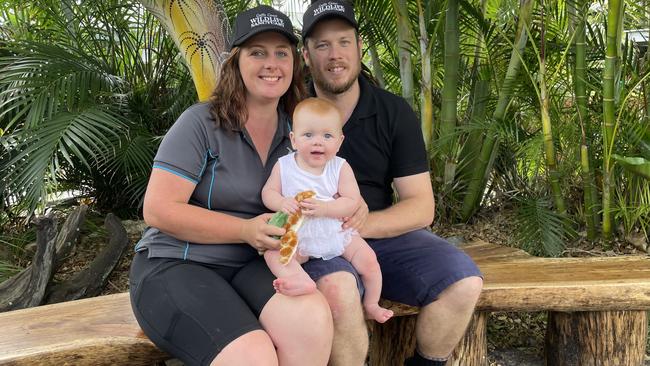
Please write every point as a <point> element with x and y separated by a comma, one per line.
<point>318,237</point>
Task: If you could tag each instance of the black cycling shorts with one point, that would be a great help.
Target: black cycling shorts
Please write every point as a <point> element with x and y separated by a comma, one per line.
<point>193,310</point>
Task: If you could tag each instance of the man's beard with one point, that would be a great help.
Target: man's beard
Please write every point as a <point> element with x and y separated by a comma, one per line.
<point>331,88</point>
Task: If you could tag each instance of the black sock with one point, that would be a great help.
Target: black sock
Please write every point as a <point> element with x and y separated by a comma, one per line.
<point>418,360</point>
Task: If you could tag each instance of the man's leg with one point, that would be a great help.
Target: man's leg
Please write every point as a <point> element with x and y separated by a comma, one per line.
<point>337,281</point>
<point>442,323</point>
<point>421,269</point>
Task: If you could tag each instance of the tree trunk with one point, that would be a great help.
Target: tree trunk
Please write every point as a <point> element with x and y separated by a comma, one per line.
<point>91,281</point>
<point>394,341</point>
<point>607,338</point>
<point>27,288</point>
<point>472,349</point>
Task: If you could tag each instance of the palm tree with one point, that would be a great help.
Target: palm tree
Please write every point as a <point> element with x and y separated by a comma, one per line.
<point>84,99</point>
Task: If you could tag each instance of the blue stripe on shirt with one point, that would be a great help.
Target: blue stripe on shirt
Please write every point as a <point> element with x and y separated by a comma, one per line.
<point>156,166</point>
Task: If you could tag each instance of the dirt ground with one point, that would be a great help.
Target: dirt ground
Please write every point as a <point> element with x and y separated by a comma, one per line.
<point>514,339</point>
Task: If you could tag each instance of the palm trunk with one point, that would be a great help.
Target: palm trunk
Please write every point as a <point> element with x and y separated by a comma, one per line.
<point>197,27</point>
<point>426,103</point>
<point>547,128</point>
<point>484,164</point>
<point>580,87</point>
<point>449,94</point>
<point>403,38</point>
<point>376,63</point>
<point>609,75</point>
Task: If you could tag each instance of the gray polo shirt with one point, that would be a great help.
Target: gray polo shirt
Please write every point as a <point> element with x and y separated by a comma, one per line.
<point>228,174</point>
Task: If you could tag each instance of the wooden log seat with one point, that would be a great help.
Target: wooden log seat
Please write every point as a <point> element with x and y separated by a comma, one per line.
<point>597,316</point>
<point>597,309</point>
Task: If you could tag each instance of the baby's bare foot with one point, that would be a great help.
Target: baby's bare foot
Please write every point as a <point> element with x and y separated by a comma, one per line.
<point>296,285</point>
<point>374,311</point>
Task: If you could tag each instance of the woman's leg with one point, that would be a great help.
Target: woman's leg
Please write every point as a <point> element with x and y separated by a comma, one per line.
<point>191,311</point>
<point>300,327</point>
<point>239,352</point>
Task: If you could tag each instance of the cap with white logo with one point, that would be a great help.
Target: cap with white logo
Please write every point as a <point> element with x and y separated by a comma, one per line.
<point>260,19</point>
<point>322,9</point>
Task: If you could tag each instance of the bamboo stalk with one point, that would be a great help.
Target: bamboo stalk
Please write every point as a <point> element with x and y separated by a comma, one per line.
<point>484,164</point>
<point>426,102</point>
<point>376,63</point>
<point>449,105</point>
<point>609,74</point>
<point>403,38</point>
<point>547,128</point>
<point>580,90</point>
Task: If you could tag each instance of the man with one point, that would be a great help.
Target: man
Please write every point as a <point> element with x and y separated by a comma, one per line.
<point>384,145</point>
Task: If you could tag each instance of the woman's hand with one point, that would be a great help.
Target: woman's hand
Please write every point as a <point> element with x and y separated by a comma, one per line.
<point>358,218</point>
<point>259,234</point>
<point>313,207</point>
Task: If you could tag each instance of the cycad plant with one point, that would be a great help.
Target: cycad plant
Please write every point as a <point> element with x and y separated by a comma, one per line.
<point>84,98</point>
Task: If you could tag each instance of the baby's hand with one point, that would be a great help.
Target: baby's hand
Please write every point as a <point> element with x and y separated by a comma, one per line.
<point>314,207</point>
<point>289,205</point>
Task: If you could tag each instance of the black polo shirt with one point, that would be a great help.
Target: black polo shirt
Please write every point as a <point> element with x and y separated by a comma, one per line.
<point>383,141</point>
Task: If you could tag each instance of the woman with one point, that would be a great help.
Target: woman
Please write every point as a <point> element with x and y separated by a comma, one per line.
<point>199,289</point>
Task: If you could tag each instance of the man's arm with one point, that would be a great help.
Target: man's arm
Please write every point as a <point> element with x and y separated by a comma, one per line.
<point>414,210</point>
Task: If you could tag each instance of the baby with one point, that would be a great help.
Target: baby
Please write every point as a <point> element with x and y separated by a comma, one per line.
<point>317,136</point>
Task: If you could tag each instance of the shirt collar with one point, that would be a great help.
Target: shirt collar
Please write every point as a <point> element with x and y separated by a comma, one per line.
<point>365,105</point>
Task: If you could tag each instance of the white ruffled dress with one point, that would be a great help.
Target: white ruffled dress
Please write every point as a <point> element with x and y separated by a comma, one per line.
<point>318,237</point>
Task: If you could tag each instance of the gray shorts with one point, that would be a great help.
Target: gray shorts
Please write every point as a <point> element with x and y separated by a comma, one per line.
<point>416,267</point>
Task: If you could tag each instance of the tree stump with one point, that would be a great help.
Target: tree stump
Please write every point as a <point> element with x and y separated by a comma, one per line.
<point>472,349</point>
<point>604,338</point>
<point>393,342</point>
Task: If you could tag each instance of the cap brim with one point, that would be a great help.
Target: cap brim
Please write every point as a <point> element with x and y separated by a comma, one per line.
<point>238,42</point>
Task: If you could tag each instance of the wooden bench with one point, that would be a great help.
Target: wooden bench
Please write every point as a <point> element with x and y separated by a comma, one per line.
<point>597,316</point>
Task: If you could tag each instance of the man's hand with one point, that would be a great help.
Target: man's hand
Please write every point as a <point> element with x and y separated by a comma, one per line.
<point>259,234</point>
<point>358,218</point>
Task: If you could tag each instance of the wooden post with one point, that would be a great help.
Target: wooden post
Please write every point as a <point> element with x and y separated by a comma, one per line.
<point>603,338</point>
<point>393,342</point>
<point>472,349</point>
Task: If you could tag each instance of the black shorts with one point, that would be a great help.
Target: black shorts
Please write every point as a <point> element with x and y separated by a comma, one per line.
<point>193,310</point>
<point>416,267</point>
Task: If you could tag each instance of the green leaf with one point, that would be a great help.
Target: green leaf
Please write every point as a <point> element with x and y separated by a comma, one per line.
<point>636,165</point>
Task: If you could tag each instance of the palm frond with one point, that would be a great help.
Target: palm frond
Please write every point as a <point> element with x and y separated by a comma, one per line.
<point>540,229</point>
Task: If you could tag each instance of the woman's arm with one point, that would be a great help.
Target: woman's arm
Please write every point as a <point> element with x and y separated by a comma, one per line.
<point>345,205</point>
<point>166,207</point>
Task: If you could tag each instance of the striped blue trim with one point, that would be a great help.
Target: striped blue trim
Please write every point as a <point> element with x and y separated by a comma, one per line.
<point>205,162</point>
<point>214,165</point>
<point>156,166</point>
<point>187,249</point>
<point>137,245</point>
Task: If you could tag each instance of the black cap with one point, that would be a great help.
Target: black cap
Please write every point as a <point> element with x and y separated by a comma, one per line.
<point>260,19</point>
<point>322,9</point>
